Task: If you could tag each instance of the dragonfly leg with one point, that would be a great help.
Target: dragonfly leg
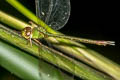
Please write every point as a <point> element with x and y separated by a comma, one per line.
<point>37,41</point>
<point>29,41</point>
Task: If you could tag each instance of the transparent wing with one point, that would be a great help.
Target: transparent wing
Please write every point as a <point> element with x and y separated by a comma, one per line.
<point>55,13</point>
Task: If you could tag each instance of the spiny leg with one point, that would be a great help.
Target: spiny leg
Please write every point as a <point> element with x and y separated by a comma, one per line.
<point>30,41</point>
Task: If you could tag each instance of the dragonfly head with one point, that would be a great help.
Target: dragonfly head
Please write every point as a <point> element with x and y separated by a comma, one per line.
<point>27,32</point>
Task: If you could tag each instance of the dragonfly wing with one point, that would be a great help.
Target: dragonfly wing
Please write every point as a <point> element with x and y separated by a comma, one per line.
<point>55,13</point>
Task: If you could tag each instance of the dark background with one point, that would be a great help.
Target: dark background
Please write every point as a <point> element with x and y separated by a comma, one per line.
<point>93,20</point>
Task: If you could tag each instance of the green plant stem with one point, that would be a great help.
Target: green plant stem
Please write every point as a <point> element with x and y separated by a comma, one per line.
<point>29,14</point>
<point>89,56</point>
<point>27,67</point>
<point>56,58</point>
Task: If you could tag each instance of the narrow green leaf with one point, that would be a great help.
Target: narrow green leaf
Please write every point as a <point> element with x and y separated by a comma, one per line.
<point>27,67</point>
<point>56,58</point>
<point>89,56</point>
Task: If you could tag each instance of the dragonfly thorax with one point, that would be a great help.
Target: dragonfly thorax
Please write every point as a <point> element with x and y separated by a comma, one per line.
<point>38,33</point>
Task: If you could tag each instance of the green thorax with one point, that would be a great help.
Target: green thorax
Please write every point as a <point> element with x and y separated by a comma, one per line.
<point>38,33</point>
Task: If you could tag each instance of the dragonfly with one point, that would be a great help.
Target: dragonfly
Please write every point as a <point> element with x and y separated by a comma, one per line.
<point>55,13</point>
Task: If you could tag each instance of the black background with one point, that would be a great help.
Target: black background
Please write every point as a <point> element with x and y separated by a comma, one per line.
<point>93,20</point>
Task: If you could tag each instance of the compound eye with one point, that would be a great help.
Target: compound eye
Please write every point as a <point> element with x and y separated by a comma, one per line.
<point>27,32</point>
